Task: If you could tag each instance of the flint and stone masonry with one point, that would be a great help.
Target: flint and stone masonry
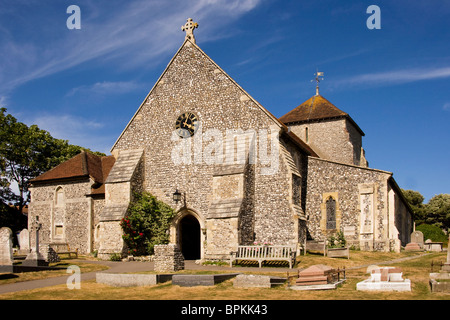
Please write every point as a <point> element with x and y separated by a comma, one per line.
<point>296,178</point>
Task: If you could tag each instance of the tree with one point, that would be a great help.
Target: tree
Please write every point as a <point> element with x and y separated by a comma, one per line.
<point>432,232</point>
<point>415,200</point>
<point>438,209</point>
<point>25,153</point>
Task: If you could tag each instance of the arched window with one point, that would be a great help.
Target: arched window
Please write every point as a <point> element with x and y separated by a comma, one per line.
<point>331,213</point>
<point>59,197</point>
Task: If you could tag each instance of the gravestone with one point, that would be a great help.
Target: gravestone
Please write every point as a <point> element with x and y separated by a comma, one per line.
<point>24,241</point>
<point>446,266</point>
<point>35,258</point>
<point>6,252</point>
<point>417,237</point>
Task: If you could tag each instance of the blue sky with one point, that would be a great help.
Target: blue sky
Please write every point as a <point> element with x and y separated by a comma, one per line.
<point>85,85</point>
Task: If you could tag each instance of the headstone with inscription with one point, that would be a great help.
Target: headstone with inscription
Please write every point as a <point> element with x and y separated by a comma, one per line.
<point>6,252</point>
<point>417,237</point>
<point>24,241</point>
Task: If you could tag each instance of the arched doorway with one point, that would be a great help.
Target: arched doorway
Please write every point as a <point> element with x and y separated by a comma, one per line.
<point>190,237</point>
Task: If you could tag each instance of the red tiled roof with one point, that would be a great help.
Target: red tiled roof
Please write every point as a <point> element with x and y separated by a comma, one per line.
<point>315,109</point>
<point>84,164</point>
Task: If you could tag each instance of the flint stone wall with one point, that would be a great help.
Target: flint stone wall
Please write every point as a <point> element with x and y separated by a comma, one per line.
<point>335,140</point>
<point>325,177</point>
<point>77,214</point>
<point>193,83</point>
<point>168,258</point>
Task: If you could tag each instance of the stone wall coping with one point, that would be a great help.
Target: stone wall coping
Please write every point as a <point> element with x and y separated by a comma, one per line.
<point>352,165</point>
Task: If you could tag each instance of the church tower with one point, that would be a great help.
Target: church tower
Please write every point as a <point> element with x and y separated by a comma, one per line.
<point>329,131</point>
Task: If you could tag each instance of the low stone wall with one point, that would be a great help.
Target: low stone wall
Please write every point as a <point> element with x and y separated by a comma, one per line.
<point>131,280</point>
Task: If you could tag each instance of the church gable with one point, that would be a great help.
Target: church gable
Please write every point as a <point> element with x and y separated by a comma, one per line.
<point>193,82</point>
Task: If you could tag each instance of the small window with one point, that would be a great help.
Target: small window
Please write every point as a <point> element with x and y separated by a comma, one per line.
<point>296,189</point>
<point>331,213</point>
<point>59,197</point>
<point>306,135</point>
<point>59,231</point>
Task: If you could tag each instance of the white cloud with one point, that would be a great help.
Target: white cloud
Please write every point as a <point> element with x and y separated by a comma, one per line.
<point>106,87</point>
<point>3,102</point>
<point>396,76</point>
<point>130,34</point>
<point>77,130</point>
<point>446,106</point>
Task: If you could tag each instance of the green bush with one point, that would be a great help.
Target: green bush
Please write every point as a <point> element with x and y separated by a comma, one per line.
<point>146,224</point>
<point>432,232</point>
<point>336,241</point>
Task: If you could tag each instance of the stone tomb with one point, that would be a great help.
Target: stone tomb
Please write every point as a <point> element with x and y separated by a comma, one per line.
<point>317,277</point>
<point>257,281</point>
<point>385,279</point>
<point>433,246</point>
<point>440,281</point>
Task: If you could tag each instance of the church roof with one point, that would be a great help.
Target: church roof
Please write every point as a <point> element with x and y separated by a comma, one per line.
<point>317,108</point>
<point>84,164</point>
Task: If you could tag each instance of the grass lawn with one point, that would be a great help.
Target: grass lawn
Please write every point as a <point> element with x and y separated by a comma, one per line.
<point>27,276</point>
<point>417,270</point>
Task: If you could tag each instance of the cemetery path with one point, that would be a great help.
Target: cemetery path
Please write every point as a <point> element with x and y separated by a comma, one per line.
<point>116,267</point>
<point>135,266</point>
<point>389,261</point>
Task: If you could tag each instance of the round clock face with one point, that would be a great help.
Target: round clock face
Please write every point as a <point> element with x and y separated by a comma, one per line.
<point>186,124</point>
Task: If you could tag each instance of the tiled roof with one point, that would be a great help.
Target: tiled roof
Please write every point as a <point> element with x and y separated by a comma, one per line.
<point>316,108</point>
<point>84,164</point>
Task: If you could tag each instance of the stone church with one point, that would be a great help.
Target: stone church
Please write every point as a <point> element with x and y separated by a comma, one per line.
<point>234,173</point>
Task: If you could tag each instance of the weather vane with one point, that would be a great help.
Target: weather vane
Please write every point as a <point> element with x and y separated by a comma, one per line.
<point>319,77</point>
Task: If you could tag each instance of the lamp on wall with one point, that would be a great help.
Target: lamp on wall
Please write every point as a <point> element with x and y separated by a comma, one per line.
<point>177,196</point>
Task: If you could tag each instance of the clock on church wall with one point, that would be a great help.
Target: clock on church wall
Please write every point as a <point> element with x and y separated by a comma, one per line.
<point>187,124</point>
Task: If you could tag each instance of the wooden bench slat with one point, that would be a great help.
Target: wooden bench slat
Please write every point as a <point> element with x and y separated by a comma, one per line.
<point>265,253</point>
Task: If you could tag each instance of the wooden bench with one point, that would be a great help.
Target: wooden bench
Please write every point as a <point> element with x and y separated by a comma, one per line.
<point>312,245</point>
<point>265,253</point>
<point>64,249</point>
<point>338,252</point>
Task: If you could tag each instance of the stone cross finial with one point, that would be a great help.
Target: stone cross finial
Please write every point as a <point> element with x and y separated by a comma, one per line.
<point>189,27</point>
